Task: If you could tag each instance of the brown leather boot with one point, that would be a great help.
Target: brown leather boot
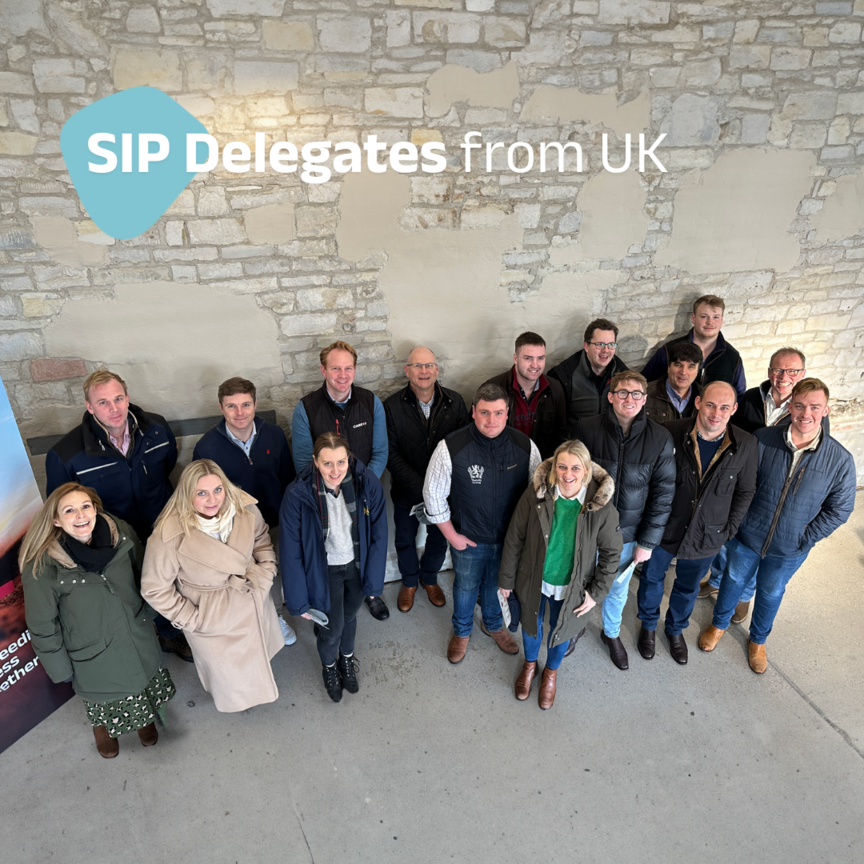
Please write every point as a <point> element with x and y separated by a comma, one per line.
<point>504,641</point>
<point>457,648</point>
<point>546,696</point>
<point>405,600</point>
<point>107,746</point>
<point>742,610</point>
<point>523,682</point>
<point>757,657</point>
<point>709,638</point>
<point>435,594</point>
<point>148,735</point>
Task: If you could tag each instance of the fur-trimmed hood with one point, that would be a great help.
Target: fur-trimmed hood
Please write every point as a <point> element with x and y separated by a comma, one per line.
<point>601,482</point>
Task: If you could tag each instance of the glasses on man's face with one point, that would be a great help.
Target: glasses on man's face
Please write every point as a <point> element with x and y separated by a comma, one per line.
<point>792,373</point>
<point>422,366</point>
<point>604,344</point>
<point>635,395</point>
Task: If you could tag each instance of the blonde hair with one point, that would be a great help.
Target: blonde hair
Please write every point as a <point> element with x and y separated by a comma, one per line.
<point>180,503</point>
<point>338,345</point>
<point>574,448</point>
<point>101,376</point>
<point>43,532</point>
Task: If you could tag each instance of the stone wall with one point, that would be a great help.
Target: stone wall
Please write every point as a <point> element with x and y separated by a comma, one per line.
<point>762,104</point>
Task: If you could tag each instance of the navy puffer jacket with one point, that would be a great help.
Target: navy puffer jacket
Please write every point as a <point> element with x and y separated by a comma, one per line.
<point>302,556</point>
<point>789,515</point>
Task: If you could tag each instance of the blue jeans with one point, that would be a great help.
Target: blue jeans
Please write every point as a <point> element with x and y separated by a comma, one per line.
<point>554,654</point>
<point>682,597</point>
<point>616,599</point>
<point>771,574</point>
<point>476,567</point>
<point>412,569</point>
<point>718,568</point>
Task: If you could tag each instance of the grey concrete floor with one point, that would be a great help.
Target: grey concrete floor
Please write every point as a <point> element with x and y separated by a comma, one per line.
<point>433,763</point>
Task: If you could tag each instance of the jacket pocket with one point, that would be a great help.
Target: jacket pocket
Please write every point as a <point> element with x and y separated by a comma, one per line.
<point>714,534</point>
<point>726,483</point>
<point>87,652</point>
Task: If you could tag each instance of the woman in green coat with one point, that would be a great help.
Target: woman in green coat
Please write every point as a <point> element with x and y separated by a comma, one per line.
<point>560,554</point>
<point>81,573</point>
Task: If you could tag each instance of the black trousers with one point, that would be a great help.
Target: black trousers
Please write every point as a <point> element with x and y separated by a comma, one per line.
<point>346,598</point>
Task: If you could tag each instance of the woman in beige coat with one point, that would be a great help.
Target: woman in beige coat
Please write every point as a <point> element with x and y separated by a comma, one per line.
<point>208,569</point>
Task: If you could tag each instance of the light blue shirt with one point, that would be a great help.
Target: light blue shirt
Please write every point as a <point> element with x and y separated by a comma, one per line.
<point>245,446</point>
<point>679,403</point>
<point>302,444</point>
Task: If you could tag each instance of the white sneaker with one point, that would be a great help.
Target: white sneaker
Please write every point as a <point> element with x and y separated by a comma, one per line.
<point>287,632</point>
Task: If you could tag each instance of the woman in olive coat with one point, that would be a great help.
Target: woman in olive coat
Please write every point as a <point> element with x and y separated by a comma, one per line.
<point>560,554</point>
<point>80,570</point>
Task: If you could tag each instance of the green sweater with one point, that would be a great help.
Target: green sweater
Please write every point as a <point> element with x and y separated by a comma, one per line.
<point>561,549</point>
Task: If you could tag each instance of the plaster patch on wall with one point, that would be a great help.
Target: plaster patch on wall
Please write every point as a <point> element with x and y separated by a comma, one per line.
<point>735,215</point>
<point>443,287</point>
<point>842,215</point>
<point>61,238</point>
<point>613,220</point>
<point>172,344</point>
<point>453,83</point>
<point>567,104</point>
<point>272,223</point>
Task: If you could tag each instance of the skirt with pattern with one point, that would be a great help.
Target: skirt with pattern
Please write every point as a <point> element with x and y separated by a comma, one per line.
<point>133,712</point>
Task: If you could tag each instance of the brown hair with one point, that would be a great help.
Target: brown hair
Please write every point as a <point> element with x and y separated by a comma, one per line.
<point>43,532</point>
<point>709,300</point>
<point>180,503</point>
<point>330,440</point>
<point>489,392</point>
<point>600,324</point>
<point>627,375</point>
<point>529,338</point>
<point>233,386</point>
<point>809,385</point>
<point>338,345</point>
<point>574,448</point>
<point>101,376</point>
<point>780,351</point>
<point>684,352</point>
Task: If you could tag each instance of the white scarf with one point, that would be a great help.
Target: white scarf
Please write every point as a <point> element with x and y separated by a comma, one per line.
<point>219,526</point>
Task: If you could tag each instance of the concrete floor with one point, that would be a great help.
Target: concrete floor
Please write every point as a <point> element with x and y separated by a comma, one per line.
<point>432,762</point>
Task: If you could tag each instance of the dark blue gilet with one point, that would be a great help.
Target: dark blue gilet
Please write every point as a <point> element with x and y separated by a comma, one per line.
<point>489,475</point>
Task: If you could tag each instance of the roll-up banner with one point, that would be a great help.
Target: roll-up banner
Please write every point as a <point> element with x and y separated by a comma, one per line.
<point>27,694</point>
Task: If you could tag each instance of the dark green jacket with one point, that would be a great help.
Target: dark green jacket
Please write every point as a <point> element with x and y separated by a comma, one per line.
<point>96,627</point>
<point>598,550</point>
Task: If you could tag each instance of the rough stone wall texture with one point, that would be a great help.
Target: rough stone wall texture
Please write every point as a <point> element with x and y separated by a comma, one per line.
<point>762,103</point>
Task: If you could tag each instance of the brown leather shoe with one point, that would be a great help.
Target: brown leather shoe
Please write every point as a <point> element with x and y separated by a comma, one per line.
<point>435,594</point>
<point>107,746</point>
<point>148,735</point>
<point>742,610</point>
<point>523,682</point>
<point>706,590</point>
<point>504,641</point>
<point>757,657</point>
<point>405,600</point>
<point>546,696</point>
<point>709,638</point>
<point>457,648</point>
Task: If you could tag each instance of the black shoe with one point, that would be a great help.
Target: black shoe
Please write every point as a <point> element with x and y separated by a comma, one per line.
<point>178,645</point>
<point>617,651</point>
<point>333,683</point>
<point>377,607</point>
<point>571,645</point>
<point>347,667</point>
<point>677,648</point>
<point>645,643</point>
